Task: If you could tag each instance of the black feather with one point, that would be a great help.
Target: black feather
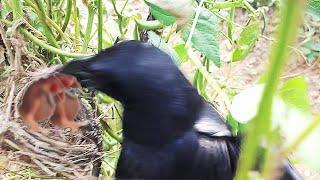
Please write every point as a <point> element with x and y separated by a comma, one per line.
<point>170,132</point>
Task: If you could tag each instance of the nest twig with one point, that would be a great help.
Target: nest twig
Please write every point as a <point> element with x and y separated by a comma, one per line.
<point>63,154</point>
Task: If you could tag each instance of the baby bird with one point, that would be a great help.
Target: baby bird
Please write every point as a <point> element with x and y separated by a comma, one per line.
<point>47,97</point>
<point>66,111</point>
<point>38,103</point>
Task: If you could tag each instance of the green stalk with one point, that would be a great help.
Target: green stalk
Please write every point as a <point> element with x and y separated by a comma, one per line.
<point>268,165</point>
<point>49,5</point>
<point>17,12</point>
<point>49,21</point>
<point>225,5</point>
<point>209,78</point>
<point>118,15</point>
<point>230,23</point>
<point>136,35</point>
<point>261,123</point>
<point>48,47</point>
<point>211,81</point>
<point>68,15</point>
<point>194,23</point>
<point>166,39</point>
<point>59,3</point>
<point>41,14</point>
<point>110,131</point>
<point>57,28</point>
<point>199,81</point>
<point>149,25</point>
<point>47,31</point>
<point>28,25</point>
<point>124,6</point>
<point>249,7</point>
<point>87,37</point>
<point>100,25</point>
<point>44,44</point>
<point>75,17</point>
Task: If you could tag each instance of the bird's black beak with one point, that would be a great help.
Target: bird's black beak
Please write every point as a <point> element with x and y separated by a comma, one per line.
<point>72,68</point>
<point>80,70</point>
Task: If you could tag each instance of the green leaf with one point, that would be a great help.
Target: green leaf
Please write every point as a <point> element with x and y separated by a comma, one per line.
<point>181,52</point>
<point>234,125</point>
<point>160,14</point>
<point>294,93</point>
<point>244,105</point>
<point>310,57</point>
<point>199,81</point>
<point>205,36</point>
<point>311,49</point>
<point>312,45</point>
<point>104,98</point>
<point>313,7</point>
<point>246,41</point>
<point>161,44</point>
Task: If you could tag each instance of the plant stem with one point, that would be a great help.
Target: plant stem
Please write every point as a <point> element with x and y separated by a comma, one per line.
<point>124,6</point>
<point>224,5</point>
<point>75,16</point>
<point>17,9</point>
<point>212,82</point>
<point>118,15</point>
<point>227,20</point>
<point>261,123</point>
<point>249,7</point>
<point>110,131</point>
<point>149,25</point>
<point>230,24</point>
<point>194,24</point>
<point>87,36</point>
<point>68,15</point>
<point>100,25</point>
<point>44,44</point>
<point>49,5</point>
<point>39,8</point>
<point>166,39</point>
<point>47,19</point>
<point>216,87</point>
<point>135,31</point>
<point>57,28</point>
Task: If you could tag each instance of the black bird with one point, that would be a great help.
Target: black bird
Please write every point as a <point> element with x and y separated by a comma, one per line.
<point>169,130</point>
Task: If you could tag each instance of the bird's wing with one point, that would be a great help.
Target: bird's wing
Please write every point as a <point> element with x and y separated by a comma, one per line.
<point>218,151</point>
<point>211,123</point>
<point>215,136</point>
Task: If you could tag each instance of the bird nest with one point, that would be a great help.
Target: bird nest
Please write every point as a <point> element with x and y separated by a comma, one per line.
<point>60,153</point>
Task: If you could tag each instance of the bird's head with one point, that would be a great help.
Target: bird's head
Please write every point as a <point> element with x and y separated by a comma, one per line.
<point>130,72</point>
<point>146,81</point>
